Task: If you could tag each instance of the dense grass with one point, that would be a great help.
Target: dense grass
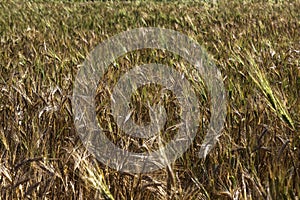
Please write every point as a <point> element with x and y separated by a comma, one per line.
<point>255,45</point>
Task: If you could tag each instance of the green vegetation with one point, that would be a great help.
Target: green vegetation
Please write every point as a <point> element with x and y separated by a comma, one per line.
<point>255,45</point>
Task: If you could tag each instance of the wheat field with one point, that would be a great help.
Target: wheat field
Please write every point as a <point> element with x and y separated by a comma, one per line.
<point>254,44</point>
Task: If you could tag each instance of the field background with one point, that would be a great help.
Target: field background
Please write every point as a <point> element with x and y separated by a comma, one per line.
<point>256,46</point>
